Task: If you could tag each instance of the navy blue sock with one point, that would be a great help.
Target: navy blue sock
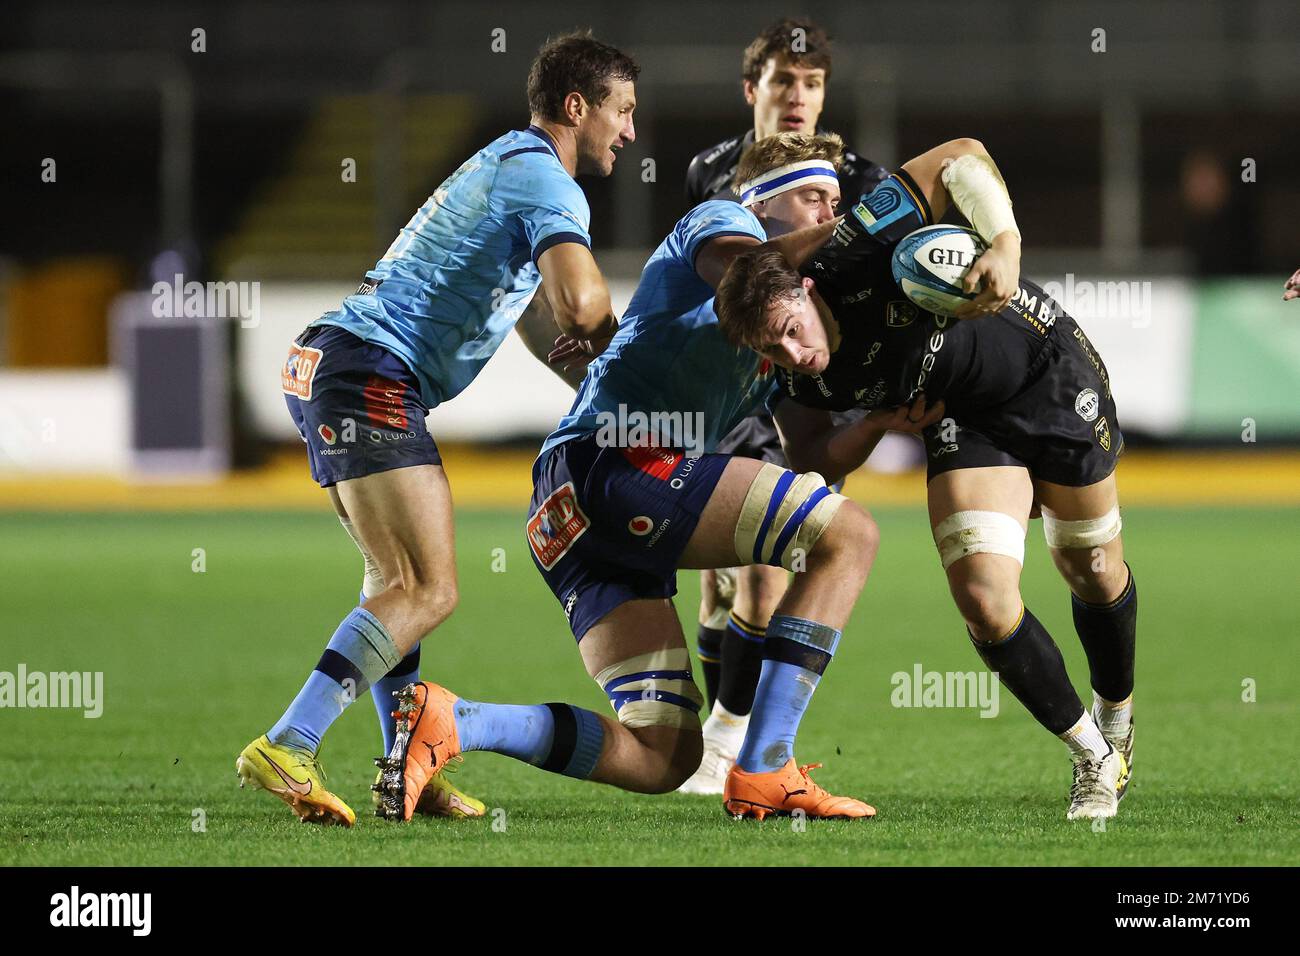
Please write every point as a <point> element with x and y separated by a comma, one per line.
<point>742,662</point>
<point>709,644</point>
<point>1029,664</point>
<point>406,672</point>
<point>1108,633</point>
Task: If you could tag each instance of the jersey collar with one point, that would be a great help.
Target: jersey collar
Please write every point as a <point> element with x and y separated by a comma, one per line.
<point>545,137</point>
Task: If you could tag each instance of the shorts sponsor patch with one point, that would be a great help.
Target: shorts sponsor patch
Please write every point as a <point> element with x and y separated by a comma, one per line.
<point>298,371</point>
<point>384,403</point>
<point>1087,404</point>
<point>1103,434</point>
<point>327,434</point>
<point>656,462</point>
<point>556,525</point>
<point>641,525</point>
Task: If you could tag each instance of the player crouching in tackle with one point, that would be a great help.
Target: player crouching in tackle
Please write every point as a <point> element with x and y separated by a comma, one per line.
<point>422,325</point>
<point>614,518</point>
<point>1031,424</point>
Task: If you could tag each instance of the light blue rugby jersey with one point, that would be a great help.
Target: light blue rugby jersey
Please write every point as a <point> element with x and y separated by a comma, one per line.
<point>461,272</point>
<point>669,354</point>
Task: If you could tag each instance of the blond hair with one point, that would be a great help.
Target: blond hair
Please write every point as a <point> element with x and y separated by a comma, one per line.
<point>782,149</point>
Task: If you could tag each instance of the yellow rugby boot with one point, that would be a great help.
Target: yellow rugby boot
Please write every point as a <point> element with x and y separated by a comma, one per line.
<point>440,798</point>
<point>294,776</point>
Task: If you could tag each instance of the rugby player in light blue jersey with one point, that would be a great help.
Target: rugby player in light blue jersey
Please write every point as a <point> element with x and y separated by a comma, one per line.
<point>420,327</point>
<point>627,490</point>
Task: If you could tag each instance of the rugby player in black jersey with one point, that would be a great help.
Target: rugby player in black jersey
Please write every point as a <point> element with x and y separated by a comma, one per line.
<point>784,75</point>
<point>1030,425</point>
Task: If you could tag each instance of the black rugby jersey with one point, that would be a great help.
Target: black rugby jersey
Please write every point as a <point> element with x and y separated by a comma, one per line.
<point>709,174</point>
<point>891,349</point>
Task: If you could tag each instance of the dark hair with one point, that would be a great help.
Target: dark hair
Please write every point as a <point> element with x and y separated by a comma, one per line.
<point>753,281</point>
<point>575,63</point>
<point>813,49</point>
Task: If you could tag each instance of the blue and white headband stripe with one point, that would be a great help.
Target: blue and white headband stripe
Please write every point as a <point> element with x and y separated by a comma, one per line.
<point>810,172</point>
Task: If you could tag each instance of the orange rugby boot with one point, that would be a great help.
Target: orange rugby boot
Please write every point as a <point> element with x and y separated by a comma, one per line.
<point>784,792</point>
<point>426,741</point>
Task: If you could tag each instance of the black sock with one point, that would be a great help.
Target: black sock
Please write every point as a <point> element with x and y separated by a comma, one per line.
<point>709,643</point>
<point>742,659</point>
<point>1030,665</point>
<point>1109,636</point>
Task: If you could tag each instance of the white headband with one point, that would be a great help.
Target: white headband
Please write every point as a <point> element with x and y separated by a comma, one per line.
<point>784,178</point>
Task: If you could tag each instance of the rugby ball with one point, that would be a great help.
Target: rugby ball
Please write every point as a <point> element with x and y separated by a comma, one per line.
<point>929,266</point>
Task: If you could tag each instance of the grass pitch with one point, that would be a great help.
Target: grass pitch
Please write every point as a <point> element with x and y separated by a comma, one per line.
<point>196,664</point>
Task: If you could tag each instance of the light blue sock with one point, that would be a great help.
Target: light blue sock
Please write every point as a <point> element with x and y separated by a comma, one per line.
<point>556,737</point>
<point>522,731</point>
<point>795,652</point>
<point>360,652</point>
<point>406,672</point>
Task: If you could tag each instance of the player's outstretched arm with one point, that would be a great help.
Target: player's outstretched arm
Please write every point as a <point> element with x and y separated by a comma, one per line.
<point>962,169</point>
<point>813,442</point>
<point>716,255</point>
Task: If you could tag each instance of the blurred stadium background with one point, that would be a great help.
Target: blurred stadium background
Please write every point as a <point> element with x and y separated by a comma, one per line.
<point>1156,185</point>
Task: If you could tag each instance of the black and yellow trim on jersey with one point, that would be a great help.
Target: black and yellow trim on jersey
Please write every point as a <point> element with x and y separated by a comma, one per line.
<point>918,197</point>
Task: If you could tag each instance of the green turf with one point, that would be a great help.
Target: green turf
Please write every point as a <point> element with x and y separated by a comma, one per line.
<point>197,664</point>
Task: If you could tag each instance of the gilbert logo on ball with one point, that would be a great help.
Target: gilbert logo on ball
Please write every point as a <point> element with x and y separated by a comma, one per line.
<point>640,526</point>
<point>930,264</point>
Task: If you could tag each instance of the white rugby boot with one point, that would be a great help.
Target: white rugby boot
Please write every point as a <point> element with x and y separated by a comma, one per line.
<point>1093,792</point>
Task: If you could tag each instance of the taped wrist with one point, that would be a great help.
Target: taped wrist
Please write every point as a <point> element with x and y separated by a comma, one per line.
<point>978,190</point>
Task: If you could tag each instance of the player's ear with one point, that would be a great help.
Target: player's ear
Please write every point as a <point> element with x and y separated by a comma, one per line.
<point>748,87</point>
<point>575,108</point>
<point>808,285</point>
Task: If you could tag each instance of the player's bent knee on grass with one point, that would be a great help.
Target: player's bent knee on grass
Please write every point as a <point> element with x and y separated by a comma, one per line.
<point>657,703</point>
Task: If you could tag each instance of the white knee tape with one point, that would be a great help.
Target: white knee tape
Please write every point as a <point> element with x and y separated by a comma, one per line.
<point>718,619</point>
<point>979,532</point>
<point>372,580</point>
<point>1088,533</point>
<point>653,690</point>
<point>783,515</point>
